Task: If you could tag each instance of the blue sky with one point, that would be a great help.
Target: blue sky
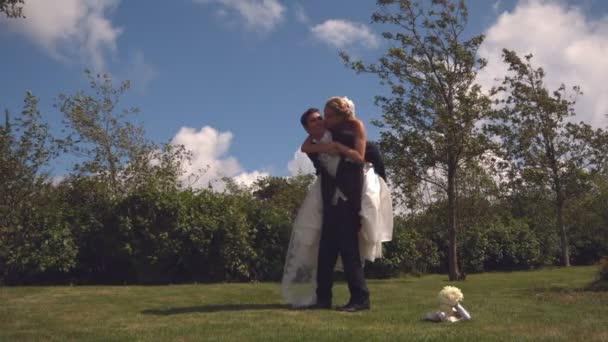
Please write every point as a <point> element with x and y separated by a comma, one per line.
<point>229,78</point>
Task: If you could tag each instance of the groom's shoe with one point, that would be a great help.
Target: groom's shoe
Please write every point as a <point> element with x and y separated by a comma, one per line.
<point>354,307</point>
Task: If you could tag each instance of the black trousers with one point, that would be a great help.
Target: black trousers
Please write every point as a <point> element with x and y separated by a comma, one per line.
<point>339,236</point>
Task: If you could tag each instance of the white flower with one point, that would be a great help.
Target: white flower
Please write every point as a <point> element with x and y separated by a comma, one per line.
<point>450,295</point>
<point>351,104</point>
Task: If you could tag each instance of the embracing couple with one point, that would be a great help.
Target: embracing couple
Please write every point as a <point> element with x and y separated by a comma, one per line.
<point>346,215</point>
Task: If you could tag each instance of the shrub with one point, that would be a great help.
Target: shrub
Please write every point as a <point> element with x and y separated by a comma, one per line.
<point>603,268</point>
<point>408,252</point>
<point>501,244</point>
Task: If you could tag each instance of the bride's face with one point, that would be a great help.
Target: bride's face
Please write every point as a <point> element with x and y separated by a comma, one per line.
<point>332,119</point>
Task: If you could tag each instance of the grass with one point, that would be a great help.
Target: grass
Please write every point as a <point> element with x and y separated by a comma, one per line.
<point>550,305</point>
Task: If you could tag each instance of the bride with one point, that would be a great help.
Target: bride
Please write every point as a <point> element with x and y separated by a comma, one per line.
<point>300,270</point>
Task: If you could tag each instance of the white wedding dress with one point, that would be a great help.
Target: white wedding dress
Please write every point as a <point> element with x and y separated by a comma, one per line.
<point>299,281</point>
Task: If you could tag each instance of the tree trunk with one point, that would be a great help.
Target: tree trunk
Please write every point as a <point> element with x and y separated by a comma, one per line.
<point>559,212</point>
<point>454,273</point>
<point>559,208</point>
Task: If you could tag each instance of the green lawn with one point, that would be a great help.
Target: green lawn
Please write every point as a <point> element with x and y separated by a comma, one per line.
<point>541,305</point>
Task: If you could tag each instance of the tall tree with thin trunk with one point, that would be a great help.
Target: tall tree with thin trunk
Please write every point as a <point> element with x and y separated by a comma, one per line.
<point>113,148</point>
<point>431,119</point>
<point>545,147</point>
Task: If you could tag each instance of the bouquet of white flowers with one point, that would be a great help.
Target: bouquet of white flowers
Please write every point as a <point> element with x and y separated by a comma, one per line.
<point>450,309</point>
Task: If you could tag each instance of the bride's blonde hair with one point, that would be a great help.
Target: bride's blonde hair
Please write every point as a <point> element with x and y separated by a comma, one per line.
<point>343,106</point>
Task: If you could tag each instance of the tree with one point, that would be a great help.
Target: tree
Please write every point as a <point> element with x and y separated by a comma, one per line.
<point>546,149</point>
<point>115,150</point>
<point>33,236</point>
<point>284,193</point>
<point>12,8</point>
<point>431,117</point>
<point>26,148</point>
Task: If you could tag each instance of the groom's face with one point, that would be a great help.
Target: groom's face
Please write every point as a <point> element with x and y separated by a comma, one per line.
<point>314,123</point>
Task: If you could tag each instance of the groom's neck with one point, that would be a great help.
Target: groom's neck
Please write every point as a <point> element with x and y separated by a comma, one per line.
<point>318,136</point>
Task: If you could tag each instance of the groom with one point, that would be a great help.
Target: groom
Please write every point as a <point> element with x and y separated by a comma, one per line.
<point>341,221</point>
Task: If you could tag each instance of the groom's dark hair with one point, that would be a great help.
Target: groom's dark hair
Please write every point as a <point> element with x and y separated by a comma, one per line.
<point>304,117</point>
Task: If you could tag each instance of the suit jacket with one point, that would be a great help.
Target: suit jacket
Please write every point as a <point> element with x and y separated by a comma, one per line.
<point>373,155</point>
<point>349,177</point>
<point>328,182</point>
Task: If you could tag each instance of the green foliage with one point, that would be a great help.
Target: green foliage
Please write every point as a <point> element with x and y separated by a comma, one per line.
<point>91,215</point>
<point>547,151</point>
<point>503,244</point>
<point>158,234</point>
<point>286,193</point>
<point>114,149</point>
<point>217,238</point>
<point>586,216</point>
<point>12,8</point>
<point>273,209</point>
<point>33,236</point>
<point>147,220</point>
<point>603,268</point>
<point>409,252</point>
<point>26,147</point>
<point>35,240</point>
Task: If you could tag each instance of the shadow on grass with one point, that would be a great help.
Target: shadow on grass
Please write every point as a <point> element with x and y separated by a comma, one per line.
<point>215,308</point>
<point>598,286</point>
<point>595,286</point>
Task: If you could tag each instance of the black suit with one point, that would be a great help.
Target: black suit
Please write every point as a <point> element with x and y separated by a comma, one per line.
<point>341,225</point>
<point>373,155</point>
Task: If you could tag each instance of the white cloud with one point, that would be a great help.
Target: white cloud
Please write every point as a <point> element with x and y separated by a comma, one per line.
<point>567,44</point>
<point>343,33</point>
<point>300,164</point>
<point>140,72</point>
<point>56,180</point>
<point>496,5</point>
<point>70,29</point>
<point>209,149</point>
<point>300,14</point>
<point>248,178</point>
<point>258,15</point>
